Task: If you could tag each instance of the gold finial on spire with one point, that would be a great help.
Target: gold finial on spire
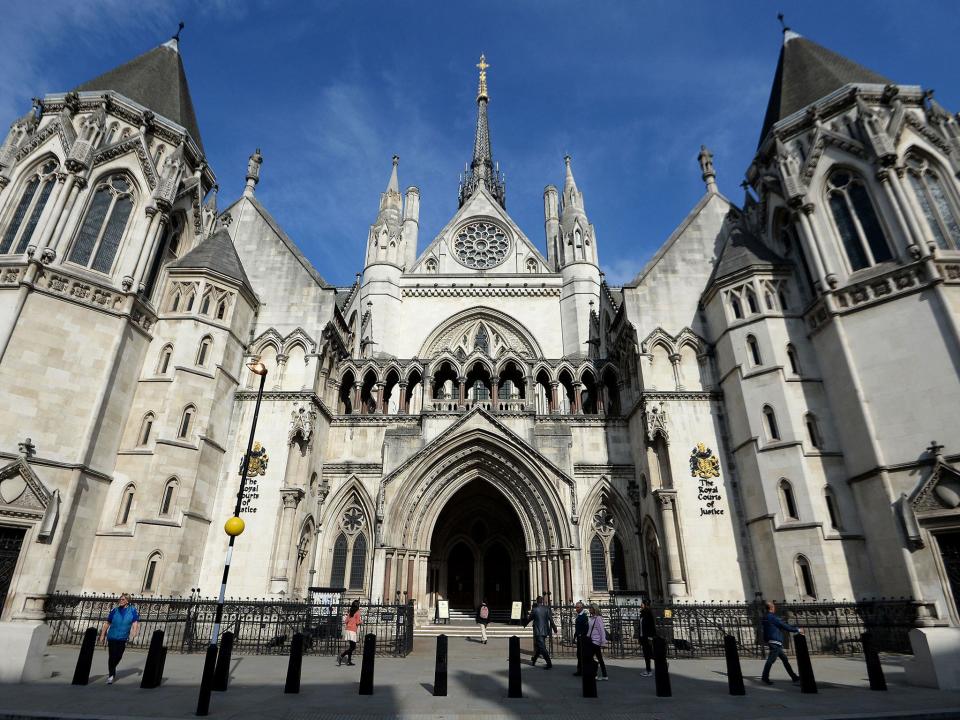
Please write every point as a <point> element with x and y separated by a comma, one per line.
<point>482,91</point>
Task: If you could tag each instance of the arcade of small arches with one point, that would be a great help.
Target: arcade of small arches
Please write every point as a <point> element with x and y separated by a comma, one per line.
<point>450,384</point>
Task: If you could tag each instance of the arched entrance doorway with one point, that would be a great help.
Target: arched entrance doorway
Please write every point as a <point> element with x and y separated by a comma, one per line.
<point>477,550</point>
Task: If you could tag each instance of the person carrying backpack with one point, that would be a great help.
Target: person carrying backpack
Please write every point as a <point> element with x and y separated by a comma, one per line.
<point>483,617</point>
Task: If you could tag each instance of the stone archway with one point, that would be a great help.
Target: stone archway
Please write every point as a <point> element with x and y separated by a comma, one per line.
<point>476,449</point>
<point>477,550</point>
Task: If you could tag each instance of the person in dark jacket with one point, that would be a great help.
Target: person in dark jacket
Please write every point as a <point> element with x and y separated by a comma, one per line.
<point>483,617</point>
<point>648,631</point>
<point>542,618</point>
<point>773,637</point>
<point>580,628</point>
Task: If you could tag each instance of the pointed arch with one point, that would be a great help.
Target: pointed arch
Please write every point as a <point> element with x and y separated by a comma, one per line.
<point>504,331</point>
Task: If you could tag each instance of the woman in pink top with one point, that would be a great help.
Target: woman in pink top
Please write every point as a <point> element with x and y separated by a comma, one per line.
<point>351,625</point>
<point>597,635</point>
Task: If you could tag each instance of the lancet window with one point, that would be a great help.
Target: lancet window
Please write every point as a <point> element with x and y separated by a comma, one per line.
<point>27,212</point>
<point>861,234</point>
<point>936,202</point>
<point>103,226</point>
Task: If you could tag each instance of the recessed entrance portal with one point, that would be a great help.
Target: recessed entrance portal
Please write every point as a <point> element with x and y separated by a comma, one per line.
<point>477,550</point>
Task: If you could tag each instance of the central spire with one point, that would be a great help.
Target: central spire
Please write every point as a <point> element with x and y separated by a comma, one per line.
<point>482,169</point>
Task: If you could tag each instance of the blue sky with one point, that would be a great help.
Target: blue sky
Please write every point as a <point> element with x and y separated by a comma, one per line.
<point>330,91</point>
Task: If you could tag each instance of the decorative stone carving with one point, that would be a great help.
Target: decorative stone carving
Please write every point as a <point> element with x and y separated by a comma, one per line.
<point>481,245</point>
<point>656,421</point>
<point>302,419</point>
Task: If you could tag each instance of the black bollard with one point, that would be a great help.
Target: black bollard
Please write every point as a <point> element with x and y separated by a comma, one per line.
<point>294,666</point>
<point>589,666</point>
<point>221,675</point>
<point>161,665</point>
<point>440,674</point>
<point>874,668</point>
<point>366,669</point>
<point>734,673</point>
<point>660,673</point>
<point>514,688</point>
<point>808,683</point>
<point>206,680</point>
<point>151,668</point>
<point>81,676</point>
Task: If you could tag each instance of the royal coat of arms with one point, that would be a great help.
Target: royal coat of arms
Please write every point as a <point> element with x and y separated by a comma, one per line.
<point>258,461</point>
<point>703,463</point>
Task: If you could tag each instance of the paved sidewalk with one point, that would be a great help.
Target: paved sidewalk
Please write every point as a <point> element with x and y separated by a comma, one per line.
<point>477,689</point>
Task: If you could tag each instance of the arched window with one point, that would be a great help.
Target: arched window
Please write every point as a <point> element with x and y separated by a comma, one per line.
<point>813,430</point>
<point>169,496</point>
<point>857,223</point>
<point>736,307</point>
<point>126,504</point>
<point>338,570</point>
<point>752,301</point>
<point>191,299</point>
<point>792,359</point>
<point>185,419</point>
<point>358,562</point>
<point>163,363</point>
<point>598,565</point>
<point>145,427</point>
<point>205,304</point>
<point>151,576</point>
<point>788,501</point>
<point>832,513</point>
<point>805,578</point>
<point>27,213</point>
<point>102,229</point>
<point>204,350</point>
<point>770,423</point>
<point>754,347</point>
<point>221,309</point>
<point>431,266</point>
<point>935,202</point>
<point>175,301</point>
<point>782,296</point>
<point>768,299</point>
<point>531,265</point>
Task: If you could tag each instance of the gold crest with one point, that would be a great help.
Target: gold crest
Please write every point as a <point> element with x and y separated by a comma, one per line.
<point>703,463</point>
<point>258,461</point>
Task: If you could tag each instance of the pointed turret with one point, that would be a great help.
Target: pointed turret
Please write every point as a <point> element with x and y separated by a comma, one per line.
<point>385,234</point>
<point>576,232</point>
<point>155,80</point>
<point>807,72</point>
<point>482,170</point>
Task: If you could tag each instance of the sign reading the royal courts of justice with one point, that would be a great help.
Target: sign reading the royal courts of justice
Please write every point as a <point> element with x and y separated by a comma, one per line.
<point>255,468</point>
<point>705,466</point>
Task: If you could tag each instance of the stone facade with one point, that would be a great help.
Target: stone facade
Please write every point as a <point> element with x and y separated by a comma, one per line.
<point>479,418</point>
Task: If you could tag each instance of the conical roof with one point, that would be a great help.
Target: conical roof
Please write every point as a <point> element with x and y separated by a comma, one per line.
<point>741,251</point>
<point>155,80</point>
<point>216,253</point>
<point>807,72</point>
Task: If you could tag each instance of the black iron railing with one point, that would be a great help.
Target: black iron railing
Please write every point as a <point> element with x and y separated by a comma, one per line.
<point>697,629</point>
<point>260,627</point>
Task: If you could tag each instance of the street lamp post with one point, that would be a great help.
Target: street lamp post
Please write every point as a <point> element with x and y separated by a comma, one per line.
<point>233,527</point>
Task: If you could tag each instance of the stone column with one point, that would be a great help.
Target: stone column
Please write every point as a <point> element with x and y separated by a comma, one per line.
<point>567,579</point>
<point>494,390</point>
<point>411,562</point>
<point>463,389</point>
<point>544,574</point>
<point>675,363</point>
<point>554,405</point>
<point>62,213</point>
<point>883,176</point>
<point>913,214</point>
<point>577,398</point>
<point>428,393</point>
<point>676,583</point>
<point>281,368</point>
<point>808,241</point>
<point>387,587</point>
<point>357,390</point>
<point>403,406</point>
<point>291,498</point>
<point>377,393</point>
<point>601,405</point>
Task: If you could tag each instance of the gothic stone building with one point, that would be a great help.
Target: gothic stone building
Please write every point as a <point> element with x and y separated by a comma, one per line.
<point>770,406</point>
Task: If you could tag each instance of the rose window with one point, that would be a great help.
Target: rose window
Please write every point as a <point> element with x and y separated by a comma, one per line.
<point>481,245</point>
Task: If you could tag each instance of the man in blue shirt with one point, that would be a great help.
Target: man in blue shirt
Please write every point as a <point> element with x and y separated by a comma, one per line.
<point>773,637</point>
<point>121,625</point>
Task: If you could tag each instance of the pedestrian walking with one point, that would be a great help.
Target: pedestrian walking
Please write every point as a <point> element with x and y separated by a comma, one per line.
<point>121,626</point>
<point>580,629</point>
<point>647,631</point>
<point>351,627</point>
<point>483,617</point>
<point>773,637</point>
<point>542,618</point>
<point>597,635</point>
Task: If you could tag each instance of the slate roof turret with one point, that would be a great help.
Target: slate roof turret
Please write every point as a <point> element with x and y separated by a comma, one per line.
<point>807,72</point>
<point>216,253</point>
<point>155,80</point>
